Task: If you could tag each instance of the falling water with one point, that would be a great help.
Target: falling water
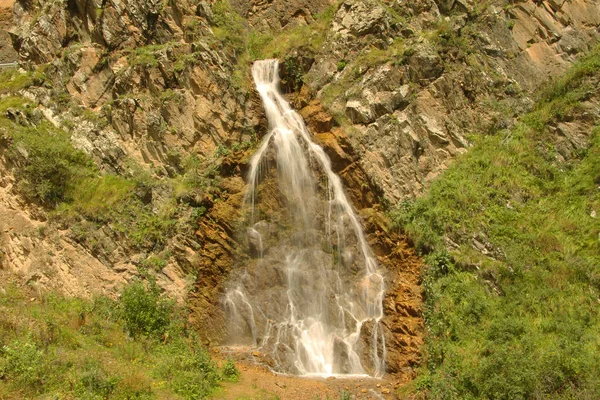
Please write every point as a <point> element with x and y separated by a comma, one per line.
<point>310,296</point>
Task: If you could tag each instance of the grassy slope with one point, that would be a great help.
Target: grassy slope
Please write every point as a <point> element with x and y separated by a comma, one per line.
<point>53,347</point>
<point>522,322</point>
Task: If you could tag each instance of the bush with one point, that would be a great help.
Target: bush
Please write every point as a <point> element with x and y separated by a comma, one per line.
<point>22,362</point>
<point>193,375</point>
<point>144,312</point>
<point>50,166</point>
<point>89,354</point>
<point>94,383</point>
<point>230,26</point>
<point>230,372</point>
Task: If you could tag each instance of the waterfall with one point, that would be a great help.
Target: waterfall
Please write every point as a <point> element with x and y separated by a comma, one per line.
<point>311,295</point>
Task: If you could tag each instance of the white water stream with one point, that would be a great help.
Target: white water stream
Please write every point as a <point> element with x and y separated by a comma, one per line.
<point>311,296</point>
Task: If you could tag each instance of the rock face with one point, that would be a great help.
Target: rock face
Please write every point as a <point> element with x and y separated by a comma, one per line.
<point>421,76</point>
<point>149,83</point>
<point>278,14</point>
<point>135,83</point>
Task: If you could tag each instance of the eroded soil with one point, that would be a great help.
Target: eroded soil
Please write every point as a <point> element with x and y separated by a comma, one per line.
<point>257,382</point>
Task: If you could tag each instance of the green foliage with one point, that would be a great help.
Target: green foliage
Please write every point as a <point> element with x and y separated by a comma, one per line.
<point>97,196</point>
<point>511,310</point>
<point>230,371</point>
<point>145,56</point>
<point>198,212</point>
<point>249,45</point>
<point>144,312</point>
<point>11,80</point>
<point>57,347</point>
<point>345,395</point>
<point>22,362</point>
<point>231,28</point>
<point>448,39</point>
<point>13,102</point>
<point>192,375</point>
<point>153,262</point>
<point>51,166</point>
<point>294,74</point>
<point>94,383</point>
<point>574,77</point>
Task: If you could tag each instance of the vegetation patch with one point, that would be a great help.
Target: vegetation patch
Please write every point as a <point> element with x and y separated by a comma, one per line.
<point>65,181</point>
<point>137,348</point>
<point>249,45</point>
<point>48,165</point>
<point>512,305</point>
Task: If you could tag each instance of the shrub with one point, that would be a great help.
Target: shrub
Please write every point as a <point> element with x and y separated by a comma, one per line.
<point>230,372</point>
<point>144,312</point>
<point>193,375</point>
<point>50,166</point>
<point>22,362</point>
<point>94,383</point>
<point>230,26</point>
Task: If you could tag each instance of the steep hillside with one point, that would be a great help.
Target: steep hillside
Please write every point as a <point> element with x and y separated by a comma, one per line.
<point>512,233</point>
<point>126,137</point>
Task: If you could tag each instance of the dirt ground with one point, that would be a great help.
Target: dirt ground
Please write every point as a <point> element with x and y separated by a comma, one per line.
<point>7,53</point>
<point>257,382</point>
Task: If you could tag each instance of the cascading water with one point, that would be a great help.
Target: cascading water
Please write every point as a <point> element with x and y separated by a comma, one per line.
<point>311,294</point>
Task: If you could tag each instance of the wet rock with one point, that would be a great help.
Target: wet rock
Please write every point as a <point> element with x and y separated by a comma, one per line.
<point>255,242</point>
<point>316,118</point>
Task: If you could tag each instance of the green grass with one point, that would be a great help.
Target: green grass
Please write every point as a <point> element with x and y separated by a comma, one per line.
<point>56,347</point>
<point>522,320</point>
<point>12,80</point>
<point>49,167</point>
<point>146,56</point>
<point>52,173</point>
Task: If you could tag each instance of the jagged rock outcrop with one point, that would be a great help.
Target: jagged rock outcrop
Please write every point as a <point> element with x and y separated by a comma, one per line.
<point>420,77</point>
<point>278,14</point>
<point>140,83</point>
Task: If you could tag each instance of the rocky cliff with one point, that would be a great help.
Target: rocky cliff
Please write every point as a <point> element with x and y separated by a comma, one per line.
<point>159,94</point>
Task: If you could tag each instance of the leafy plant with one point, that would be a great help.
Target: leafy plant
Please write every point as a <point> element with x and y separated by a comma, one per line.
<point>230,372</point>
<point>22,361</point>
<point>144,311</point>
<point>74,348</point>
<point>193,375</point>
<point>51,167</point>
